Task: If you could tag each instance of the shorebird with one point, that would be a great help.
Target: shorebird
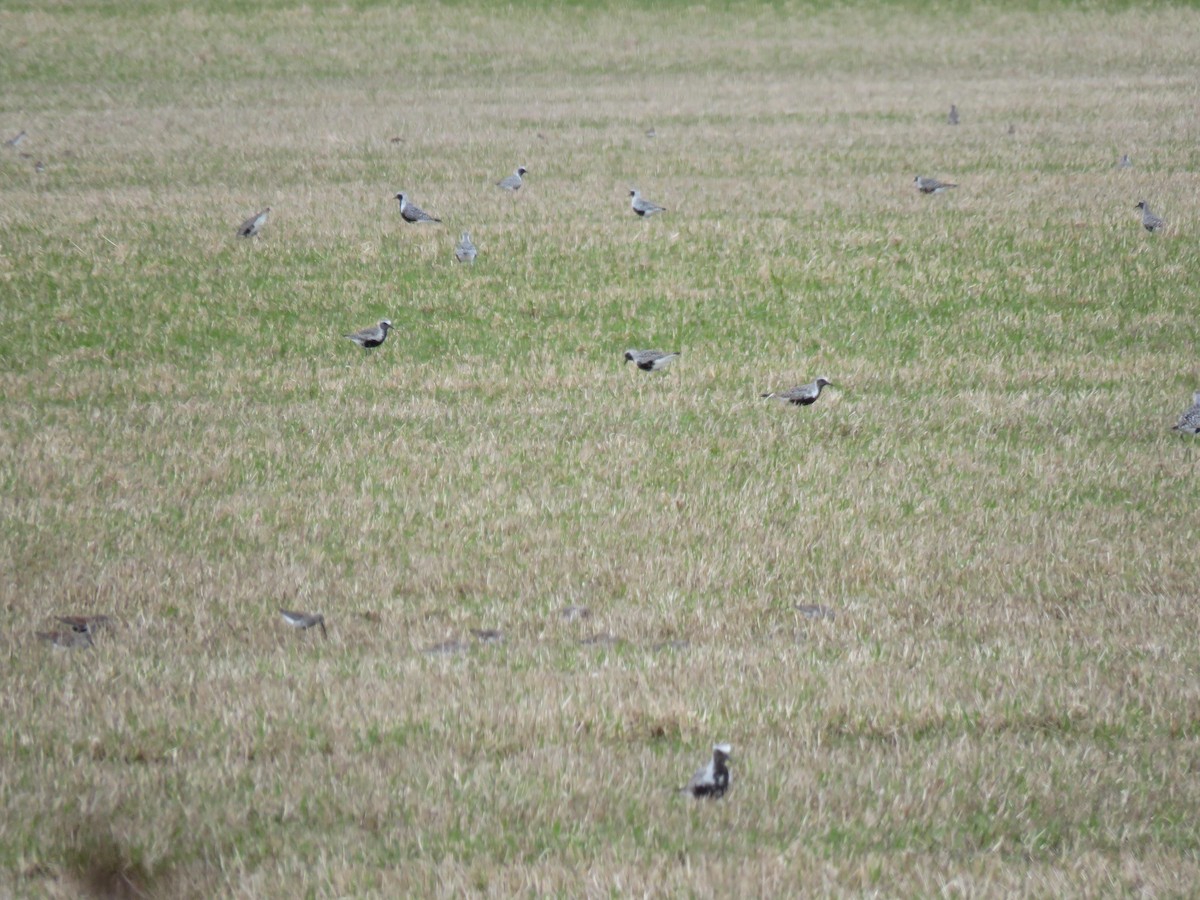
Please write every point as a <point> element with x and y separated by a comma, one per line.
<point>1124,162</point>
<point>802,395</point>
<point>254,224</point>
<point>411,213</point>
<point>15,140</point>
<point>66,640</point>
<point>304,621</point>
<point>650,360</point>
<point>952,119</point>
<point>931,185</point>
<point>513,182</point>
<point>372,337</point>
<point>713,779</point>
<point>572,613</point>
<point>642,206</point>
<point>1189,422</point>
<point>86,624</point>
<point>1150,221</point>
<point>465,251</point>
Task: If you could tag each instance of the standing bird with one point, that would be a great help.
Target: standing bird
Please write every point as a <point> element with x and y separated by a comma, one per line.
<point>642,206</point>
<point>1150,221</point>
<point>1124,162</point>
<point>254,224</point>
<point>713,779</point>
<point>15,140</point>
<point>465,251</point>
<point>931,185</point>
<point>370,338</point>
<point>952,119</point>
<point>650,360</point>
<point>513,182</point>
<point>1189,422</point>
<point>411,213</point>
<point>801,396</point>
<point>304,621</point>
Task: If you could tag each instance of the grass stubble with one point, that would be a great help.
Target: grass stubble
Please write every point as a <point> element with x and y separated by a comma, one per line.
<point>990,499</point>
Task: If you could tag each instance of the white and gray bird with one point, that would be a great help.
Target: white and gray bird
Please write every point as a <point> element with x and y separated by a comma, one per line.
<point>931,185</point>
<point>642,206</point>
<point>803,395</point>
<point>1124,162</point>
<point>952,118</point>
<point>464,250</point>
<point>304,621</point>
<point>713,779</point>
<point>1150,221</point>
<point>650,360</point>
<point>369,338</point>
<point>15,140</point>
<point>513,182</point>
<point>1189,422</point>
<point>411,213</point>
<point>254,224</point>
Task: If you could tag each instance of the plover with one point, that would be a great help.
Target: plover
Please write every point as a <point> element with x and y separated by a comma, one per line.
<point>372,337</point>
<point>650,360</point>
<point>952,118</point>
<point>465,251</point>
<point>1189,422</point>
<point>15,140</point>
<point>304,621</point>
<point>572,613</point>
<point>39,166</point>
<point>254,224</point>
<point>411,213</point>
<point>1150,221</point>
<point>66,640</point>
<point>1124,162</point>
<point>513,182</point>
<point>802,395</point>
<point>642,206</point>
<point>931,185</point>
<point>83,624</point>
<point>713,779</point>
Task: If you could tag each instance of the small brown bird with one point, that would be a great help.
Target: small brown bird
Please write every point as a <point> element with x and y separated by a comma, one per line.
<point>304,621</point>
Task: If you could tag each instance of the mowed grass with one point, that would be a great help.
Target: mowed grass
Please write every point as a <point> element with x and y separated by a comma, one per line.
<point>990,499</point>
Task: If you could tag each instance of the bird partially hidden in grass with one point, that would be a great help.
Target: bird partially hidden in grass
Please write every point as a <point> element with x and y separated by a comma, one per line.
<point>465,250</point>
<point>952,118</point>
<point>642,206</point>
<point>1189,422</point>
<point>931,185</point>
<point>411,213</point>
<point>803,395</point>
<point>650,360</point>
<point>1150,221</point>
<point>66,640</point>
<point>372,337</point>
<point>304,621</point>
<point>86,624</point>
<point>514,181</point>
<point>254,224</point>
<point>712,780</point>
<point>1124,162</point>
<point>16,139</point>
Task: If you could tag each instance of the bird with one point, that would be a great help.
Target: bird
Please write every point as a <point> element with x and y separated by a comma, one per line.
<point>651,133</point>
<point>39,166</point>
<point>465,251</point>
<point>642,206</point>
<point>1150,221</point>
<point>931,185</point>
<point>513,182</point>
<point>254,224</point>
<point>371,337</point>
<point>952,118</point>
<point>713,779</point>
<point>1124,162</point>
<point>66,640</point>
<point>411,213</point>
<point>803,395</point>
<point>650,360</point>
<point>304,621</point>
<point>1189,422</point>
<point>85,624</point>
<point>15,140</point>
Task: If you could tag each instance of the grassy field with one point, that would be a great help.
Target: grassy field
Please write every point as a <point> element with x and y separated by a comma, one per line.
<point>989,500</point>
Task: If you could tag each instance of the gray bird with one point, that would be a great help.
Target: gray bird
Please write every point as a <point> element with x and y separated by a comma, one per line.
<point>642,206</point>
<point>82,624</point>
<point>513,182</point>
<point>803,395</point>
<point>1124,162</point>
<point>304,621</point>
<point>254,224</point>
<point>66,640</point>
<point>931,185</point>
<point>952,119</point>
<point>1189,422</point>
<point>15,140</point>
<point>650,360</point>
<point>411,213</point>
<point>713,779</point>
<point>372,337</point>
<point>1150,221</point>
<point>465,251</point>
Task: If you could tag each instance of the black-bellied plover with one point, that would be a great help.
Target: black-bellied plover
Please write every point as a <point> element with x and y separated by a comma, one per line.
<point>1150,221</point>
<point>642,206</point>
<point>931,185</point>
<point>952,118</point>
<point>713,779</point>
<point>802,395</point>
<point>66,640</point>
<point>1124,162</point>
<point>650,360</point>
<point>15,140</point>
<point>513,182</point>
<point>411,213</point>
<point>304,621</point>
<point>1189,422</point>
<point>465,250</point>
<point>81,624</point>
<point>371,337</point>
<point>254,224</point>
